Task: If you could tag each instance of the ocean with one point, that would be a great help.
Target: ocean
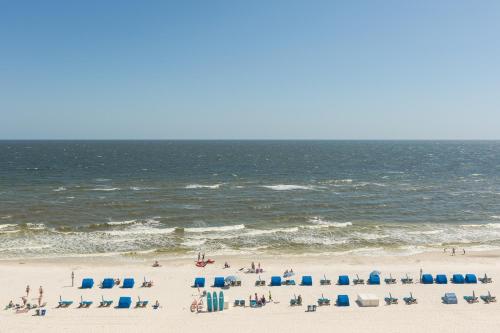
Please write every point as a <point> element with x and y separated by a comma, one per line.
<point>86,198</point>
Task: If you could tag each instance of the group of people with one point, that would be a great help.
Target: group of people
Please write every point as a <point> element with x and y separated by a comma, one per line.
<point>262,300</point>
<point>24,300</point>
<point>257,269</point>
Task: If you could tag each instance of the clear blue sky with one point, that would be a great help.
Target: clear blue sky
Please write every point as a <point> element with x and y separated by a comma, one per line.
<point>249,69</point>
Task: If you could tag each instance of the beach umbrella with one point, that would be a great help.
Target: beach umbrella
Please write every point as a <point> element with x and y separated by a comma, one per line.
<point>288,274</point>
<point>375,273</point>
<point>230,278</point>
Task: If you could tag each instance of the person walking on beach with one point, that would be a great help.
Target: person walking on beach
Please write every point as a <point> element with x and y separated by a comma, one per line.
<point>72,279</point>
<point>203,257</point>
<point>27,290</point>
<point>199,256</point>
<point>270,298</point>
<point>453,251</point>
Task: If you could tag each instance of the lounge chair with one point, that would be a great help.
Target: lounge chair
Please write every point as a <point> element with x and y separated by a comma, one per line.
<point>485,279</point>
<point>410,300</point>
<point>458,279</point>
<point>87,283</point>
<point>140,303</point>
<point>470,278</point>
<point>343,280</point>
<point>323,301</point>
<point>199,282</point>
<point>219,282</point>
<point>374,279</point>
<point>40,312</point>
<point>325,281</point>
<point>128,283</point>
<point>108,283</point>
<point>450,298</point>
<point>124,302</point>
<point>105,303</point>
<point>311,308</point>
<point>407,280</point>
<point>84,304</point>
<point>488,298</point>
<point>441,279</point>
<point>260,282</point>
<point>471,299</point>
<point>390,280</point>
<point>342,300</point>
<point>146,283</point>
<point>296,301</point>
<point>306,280</point>
<point>357,280</point>
<point>289,282</point>
<point>391,300</point>
<point>427,279</point>
<point>275,281</point>
<point>64,304</point>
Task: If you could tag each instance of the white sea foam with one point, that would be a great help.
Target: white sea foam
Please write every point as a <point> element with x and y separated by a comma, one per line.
<point>197,186</point>
<point>5,217</point>
<point>59,189</point>
<point>426,232</point>
<point>105,189</point>
<point>496,217</point>
<point>319,221</point>
<point>35,226</point>
<point>141,231</point>
<point>216,229</point>
<point>193,242</point>
<point>138,188</point>
<point>5,226</point>
<point>291,187</point>
<point>258,232</point>
<point>121,222</point>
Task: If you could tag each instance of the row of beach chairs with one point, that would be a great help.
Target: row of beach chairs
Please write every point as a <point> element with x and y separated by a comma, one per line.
<point>124,302</point>
<point>108,283</point>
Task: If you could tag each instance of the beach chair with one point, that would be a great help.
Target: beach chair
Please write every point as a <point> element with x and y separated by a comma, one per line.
<point>485,279</point>
<point>390,280</point>
<point>342,300</point>
<point>391,300</point>
<point>427,279</point>
<point>146,283</point>
<point>260,282</point>
<point>441,279</point>
<point>293,301</point>
<point>343,280</point>
<point>357,280</point>
<point>323,301</point>
<point>140,303</point>
<point>325,281</point>
<point>108,283</point>
<point>458,279</point>
<point>84,304</point>
<point>40,312</point>
<point>311,308</point>
<point>64,304</point>
<point>105,303</point>
<point>199,282</point>
<point>289,282</point>
<point>374,279</point>
<point>306,280</point>
<point>275,281</point>
<point>219,282</point>
<point>410,300</point>
<point>470,278</point>
<point>124,302</point>
<point>87,283</point>
<point>488,298</point>
<point>471,299</point>
<point>128,283</point>
<point>407,280</point>
<point>450,298</point>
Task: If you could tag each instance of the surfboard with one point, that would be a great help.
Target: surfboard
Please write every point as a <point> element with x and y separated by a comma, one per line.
<point>209,302</point>
<point>214,300</point>
<point>221,301</point>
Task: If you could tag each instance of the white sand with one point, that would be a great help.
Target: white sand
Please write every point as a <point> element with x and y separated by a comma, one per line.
<point>174,278</point>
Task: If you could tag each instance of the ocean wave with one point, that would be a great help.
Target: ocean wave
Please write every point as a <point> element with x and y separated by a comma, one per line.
<point>5,217</point>
<point>215,229</point>
<point>496,217</point>
<point>105,189</point>
<point>258,232</point>
<point>426,232</point>
<point>5,226</point>
<point>290,187</point>
<point>59,189</point>
<point>193,242</point>
<point>127,222</point>
<point>141,231</point>
<point>319,221</point>
<point>138,188</point>
<point>198,186</point>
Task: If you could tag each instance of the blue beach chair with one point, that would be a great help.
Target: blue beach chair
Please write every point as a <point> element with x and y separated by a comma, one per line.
<point>64,304</point>
<point>124,302</point>
<point>275,281</point>
<point>342,300</point>
<point>427,279</point>
<point>374,279</point>
<point>450,298</point>
<point>470,278</point>
<point>306,280</point>
<point>441,279</point>
<point>128,283</point>
<point>199,282</point>
<point>87,283</point>
<point>108,283</point>
<point>458,279</point>
<point>343,280</point>
<point>219,282</point>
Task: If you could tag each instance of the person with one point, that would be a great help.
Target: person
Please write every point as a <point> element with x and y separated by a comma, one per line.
<point>72,279</point>
<point>40,291</point>
<point>199,256</point>
<point>40,301</point>
<point>203,257</point>
<point>463,251</point>
<point>270,297</point>
<point>286,272</point>
<point>27,290</point>
<point>117,281</point>
<point>444,250</point>
<point>263,300</point>
<point>11,305</point>
<point>259,270</point>
<point>253,266</point>
<point>299,299</point>
<point>156,305</point>
<point>453,251</point>
<point>226,265</point>
<point>156,264</point>
<point>24,299</point>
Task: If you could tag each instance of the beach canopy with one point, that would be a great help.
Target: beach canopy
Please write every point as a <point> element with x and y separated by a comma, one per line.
<point>199,282</point>
<point>441,279</point>
<point>450,298</point>
<point>343,280</point>
<point>374,278</point>
<point>124,302</point>
<point>470,278</point>
<point>427,279</point>
<point>87,283</point>
<point>307,280</point>
<point>367,300</point>
<point>230,278</point>
<point>108,283</point>
<point>128,283</point>
<point>458,279</point>
<point>275,281</point>
<point>219,282</point>
<point>342,300</point>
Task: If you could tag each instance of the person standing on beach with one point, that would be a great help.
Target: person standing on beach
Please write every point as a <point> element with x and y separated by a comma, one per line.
<point>40,291</point>
<point>27,290</point>
<point>270,298</point>
<point>463,251</point>
<point>199,255</point>
<point>203,257</point>
<point>453,251</point>
<point>72,279</point>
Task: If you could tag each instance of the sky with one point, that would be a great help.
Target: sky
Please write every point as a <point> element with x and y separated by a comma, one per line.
<point>374,69</point>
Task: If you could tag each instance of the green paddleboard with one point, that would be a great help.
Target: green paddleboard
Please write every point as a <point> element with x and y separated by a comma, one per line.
<point>221,301</point>
<point>214,301</point>
<point>209,302</point>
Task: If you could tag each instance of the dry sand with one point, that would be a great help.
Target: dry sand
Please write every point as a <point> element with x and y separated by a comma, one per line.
<point>174,278</point>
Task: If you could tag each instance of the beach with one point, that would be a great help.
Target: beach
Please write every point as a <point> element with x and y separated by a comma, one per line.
<point>173,281</point>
